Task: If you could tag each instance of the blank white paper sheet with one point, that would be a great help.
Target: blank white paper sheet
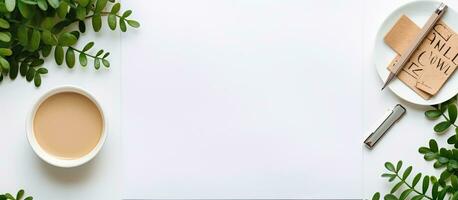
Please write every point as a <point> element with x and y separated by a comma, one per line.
<point>242,99</point>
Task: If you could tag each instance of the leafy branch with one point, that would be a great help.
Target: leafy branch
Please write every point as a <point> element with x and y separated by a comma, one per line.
<point>31,29</point>
<point>409,190</point>
<point>440,110</point>
<point>19,196</point>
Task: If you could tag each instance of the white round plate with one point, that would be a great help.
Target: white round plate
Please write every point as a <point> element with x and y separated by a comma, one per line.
<point>419,12</point>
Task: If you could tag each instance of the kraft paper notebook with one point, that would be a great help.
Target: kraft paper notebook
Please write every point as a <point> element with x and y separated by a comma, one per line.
<point>243,99</point>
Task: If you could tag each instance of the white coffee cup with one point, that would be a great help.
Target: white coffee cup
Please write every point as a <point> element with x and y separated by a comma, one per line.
<point>52,159</point>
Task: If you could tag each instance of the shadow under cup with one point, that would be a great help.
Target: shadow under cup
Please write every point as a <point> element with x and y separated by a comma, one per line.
<point>66,127</point>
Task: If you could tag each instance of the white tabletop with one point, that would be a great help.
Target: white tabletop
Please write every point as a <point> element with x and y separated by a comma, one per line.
<point>101,178</point>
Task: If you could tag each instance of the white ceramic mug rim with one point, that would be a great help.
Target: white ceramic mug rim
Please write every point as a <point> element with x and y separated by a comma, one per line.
<point>49,158</point>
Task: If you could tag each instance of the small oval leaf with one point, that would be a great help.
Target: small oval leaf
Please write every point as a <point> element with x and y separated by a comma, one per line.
<point>59,54</point>
<point>442,126</point>
<point>96,22</point>
<point>70,58</point>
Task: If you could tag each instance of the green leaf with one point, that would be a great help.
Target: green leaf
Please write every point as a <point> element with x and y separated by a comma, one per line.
<point>20,194</point>
<point>418,197</point>
<point>29,198</point>
<point>444,152</point>
<point>407,172</point>
<point>30,74</point>
<point>437,165</point>
<point>37,80</point>
<point>396,187</point>
<point>445,175</point>
<point>112,21</point>
<point>49,38</point>
<point>416,179</point>
<point>4,24</point>
<point>430,156</point>
<point>25,9</point>
<point>115,9</point>
<point>97,63</point>
<point>435,190</point>
<point>23,35</point>
<point>106,55</point>
<point>76,34</point>
<point>126,13</point>
<point>67,39</point>
<point>83,3</point>
<point>96,22</point>
<point>46,50</point>
<point>390,166</point>
<point>88,46</point>
<point>376,196</point>
<point>99,53</point>
<point>388,175</point>
<point>59,55</point>
<point>390,197</point>
<point>433,146</point>
<point>442,194</point>
<point>453,164</point>
<point>81,13</point>
<point>63,9</point>
<point>5,65</point>
<point>405,194</point>
<point>452,139</point>
<point>100,5</point>
<point>10,5</point>
<point>5,52</point>
<point>9,196</point>
<point>4,37</point>
<point>14,69</point>
<point>122,25</point>
<point>454,181</point>
<point>81,26</point>
<point>83,59</point>
<point>35,40</point>
<point>42,71</point>
<point>36,63</point>
<point>70,58</point>
<point>433,114</point>
<point>425,184</point>
<point>442,160</point>
<point>42,4</point>
<point>106,63</point>
<point>452,113</point>
<point>133,23</point>
<point>54,3</point>
<point>455,196</point>
<point>23,68</point>
<point>399,165</point>
<point>423,150</point>
<point>442,126</point>
<point>29,2</point>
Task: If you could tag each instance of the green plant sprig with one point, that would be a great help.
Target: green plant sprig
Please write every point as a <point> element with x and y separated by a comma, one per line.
<point>19,196</point>
<point>447,184</point>
<point>409,191</point>
<point>31,29</point>
<point>445,159</point>
<point>439,111</point>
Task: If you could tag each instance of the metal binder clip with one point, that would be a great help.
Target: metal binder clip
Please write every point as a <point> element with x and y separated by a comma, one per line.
<point>386,123</point>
